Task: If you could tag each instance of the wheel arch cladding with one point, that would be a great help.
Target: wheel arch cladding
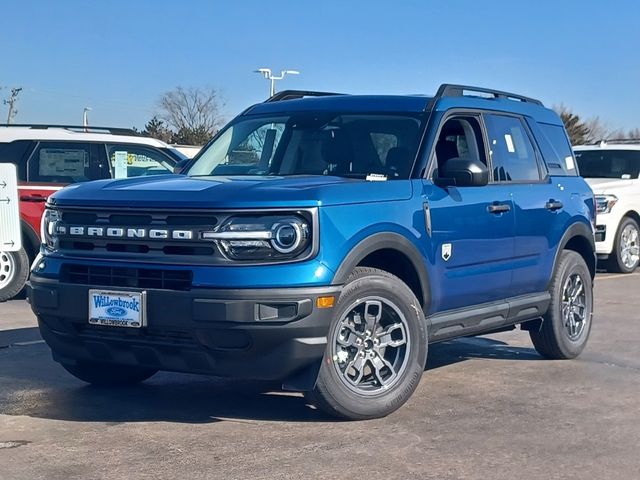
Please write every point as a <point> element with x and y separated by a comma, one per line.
<point>30,240</point>
<point>579,238</point>
<point>392,253</point>
<point>632,214</point>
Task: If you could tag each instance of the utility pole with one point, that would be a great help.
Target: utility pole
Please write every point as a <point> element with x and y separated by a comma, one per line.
<point>11,101</point>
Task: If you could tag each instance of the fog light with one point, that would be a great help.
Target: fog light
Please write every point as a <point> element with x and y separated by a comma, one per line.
<point>325,302</point>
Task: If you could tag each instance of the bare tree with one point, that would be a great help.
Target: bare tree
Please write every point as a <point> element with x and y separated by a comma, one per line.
<point>621,134</point>
<point>194,113</point>
<point>597,129</point>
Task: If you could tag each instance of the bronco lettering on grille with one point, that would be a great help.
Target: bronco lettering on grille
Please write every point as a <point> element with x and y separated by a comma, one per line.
<point>119,232</point>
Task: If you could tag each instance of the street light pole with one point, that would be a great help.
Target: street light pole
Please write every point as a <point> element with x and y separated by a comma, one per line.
<point>266,73</point>
<point>85,117</point>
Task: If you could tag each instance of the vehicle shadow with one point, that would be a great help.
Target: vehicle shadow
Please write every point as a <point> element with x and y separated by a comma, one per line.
<point>32,384</point>
<point>459,350</point>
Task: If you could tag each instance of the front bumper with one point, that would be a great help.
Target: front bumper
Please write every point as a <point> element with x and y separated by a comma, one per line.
<point>267,334</point>
<point>606,228</point>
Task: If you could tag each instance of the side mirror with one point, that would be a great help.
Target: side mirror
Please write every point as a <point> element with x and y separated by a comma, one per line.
<point>178,167</point>
<point>462,172</point>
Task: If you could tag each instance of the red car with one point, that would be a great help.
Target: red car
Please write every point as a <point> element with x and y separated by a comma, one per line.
<point>49,157</point>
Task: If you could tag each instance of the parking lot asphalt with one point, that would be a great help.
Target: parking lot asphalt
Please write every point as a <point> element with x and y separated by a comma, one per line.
<point>487,408</point>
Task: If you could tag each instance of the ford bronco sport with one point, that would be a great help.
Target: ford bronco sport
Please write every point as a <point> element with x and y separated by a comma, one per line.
<point>324,241</point>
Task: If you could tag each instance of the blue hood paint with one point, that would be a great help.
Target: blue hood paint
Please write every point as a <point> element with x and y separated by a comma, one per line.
<point>179,191</point>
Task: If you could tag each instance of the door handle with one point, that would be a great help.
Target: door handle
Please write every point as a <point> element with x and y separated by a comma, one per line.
<point>34,197</point>
<point>499,208</point>
<point>553,205</point>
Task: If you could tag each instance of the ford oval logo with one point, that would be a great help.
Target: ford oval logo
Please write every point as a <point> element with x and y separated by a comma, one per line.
<point>116,312</point>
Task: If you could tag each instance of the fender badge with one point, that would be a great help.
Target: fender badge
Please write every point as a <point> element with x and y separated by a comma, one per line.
<point>446,251</point>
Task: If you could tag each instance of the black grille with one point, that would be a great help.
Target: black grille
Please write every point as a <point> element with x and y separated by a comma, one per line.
<point>146,335</point>
<point>127,277</point>
<point>200,251</point>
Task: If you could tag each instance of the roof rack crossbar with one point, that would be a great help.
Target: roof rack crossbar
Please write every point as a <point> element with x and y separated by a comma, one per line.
<point>293,94</point>
<point>80,128</point>
<point>452,90</point>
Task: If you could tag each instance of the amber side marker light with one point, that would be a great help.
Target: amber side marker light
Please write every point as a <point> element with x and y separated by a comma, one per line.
<point>325,302</point>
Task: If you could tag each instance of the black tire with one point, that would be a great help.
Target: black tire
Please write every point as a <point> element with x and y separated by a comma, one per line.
<point>615,262</point>
<point>554,339</point>
<point>14,271</point>
<point>332,393</point>
<point>104,374</point>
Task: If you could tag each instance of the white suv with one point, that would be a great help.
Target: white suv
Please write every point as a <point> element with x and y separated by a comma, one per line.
<point>612,169</point>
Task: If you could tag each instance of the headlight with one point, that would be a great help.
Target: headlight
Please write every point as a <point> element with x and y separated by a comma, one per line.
<point>604,203</point>
<point>48,228</point>
<point>262,237</point>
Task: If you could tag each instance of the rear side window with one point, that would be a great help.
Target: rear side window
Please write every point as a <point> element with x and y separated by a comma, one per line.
<point>61,162</point>
<point>513,157</point>
<point>556,150</point>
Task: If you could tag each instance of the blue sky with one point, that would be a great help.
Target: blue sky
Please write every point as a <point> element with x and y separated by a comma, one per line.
<point>119,56</point>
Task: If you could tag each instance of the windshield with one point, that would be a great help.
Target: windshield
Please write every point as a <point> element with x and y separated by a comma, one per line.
<point>176,155</point>
<point>306,143</point>
<point>608,163</point>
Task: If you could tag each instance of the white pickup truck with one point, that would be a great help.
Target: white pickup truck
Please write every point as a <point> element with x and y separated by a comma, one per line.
<point>612,169</point>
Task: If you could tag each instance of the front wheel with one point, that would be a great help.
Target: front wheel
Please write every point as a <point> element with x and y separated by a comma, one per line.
<point>14,271</point>
<point>376,348</point>
<point>626,254</point>
<point>567,323</point>
<point>104,374</point>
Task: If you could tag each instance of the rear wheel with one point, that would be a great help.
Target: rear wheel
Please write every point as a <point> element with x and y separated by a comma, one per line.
<point>566,325</point>
<point>108,374</point>
<point>376,348</point>
<point>14,271</point>
<point>626,254</point>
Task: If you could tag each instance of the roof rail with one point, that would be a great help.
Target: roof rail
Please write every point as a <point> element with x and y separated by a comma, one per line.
<point>606,141</point>
<point>76,128</point>
<point>293,94</point>
<point>451,90</point>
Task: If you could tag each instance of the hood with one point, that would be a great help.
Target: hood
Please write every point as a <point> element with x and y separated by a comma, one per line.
<point>610,185</point>
<point>179,191</point>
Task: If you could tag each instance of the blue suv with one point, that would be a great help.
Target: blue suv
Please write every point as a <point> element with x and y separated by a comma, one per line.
<point>324,241</point>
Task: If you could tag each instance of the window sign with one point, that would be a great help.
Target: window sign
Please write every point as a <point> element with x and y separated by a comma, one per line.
<point>121,161</point>
<point>62,162</point>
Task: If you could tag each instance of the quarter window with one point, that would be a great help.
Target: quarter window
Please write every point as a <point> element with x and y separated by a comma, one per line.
<point>512,155</point>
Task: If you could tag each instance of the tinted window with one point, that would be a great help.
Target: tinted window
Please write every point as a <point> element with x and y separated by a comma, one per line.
<point>313,143</point>
<point>556,150</point>
<point>15,152</point>
<point>61,162</point>
<point>608,163</point>
<point>512,155</point>
<point>128,161</point>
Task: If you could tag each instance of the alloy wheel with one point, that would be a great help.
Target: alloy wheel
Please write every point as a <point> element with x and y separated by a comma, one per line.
<point>371,346</point>
<point>575,313</point>
<point>629,247</point>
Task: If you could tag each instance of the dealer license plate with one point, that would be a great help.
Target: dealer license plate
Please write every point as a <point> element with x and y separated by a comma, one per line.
<point>117,309</point>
